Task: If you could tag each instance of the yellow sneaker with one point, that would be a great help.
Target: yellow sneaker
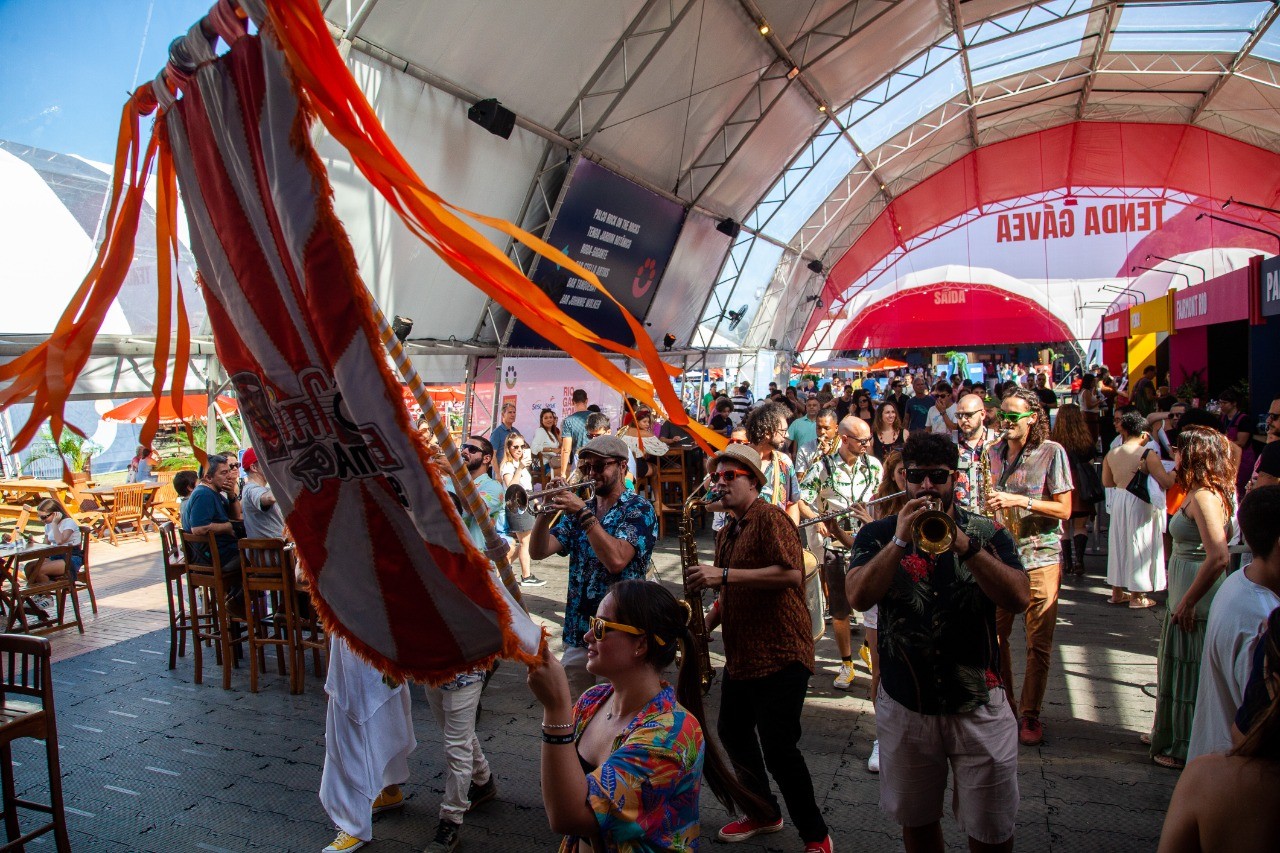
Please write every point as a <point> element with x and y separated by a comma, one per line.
<point>865,654</point>
<point>343,844</point>
<point>390,798</point>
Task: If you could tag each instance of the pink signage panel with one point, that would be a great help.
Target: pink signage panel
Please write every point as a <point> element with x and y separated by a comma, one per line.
<point>1219,300</point>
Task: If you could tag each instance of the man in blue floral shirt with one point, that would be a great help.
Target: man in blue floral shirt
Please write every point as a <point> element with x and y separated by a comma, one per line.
<point>608,538</point>
<point>941,697</point>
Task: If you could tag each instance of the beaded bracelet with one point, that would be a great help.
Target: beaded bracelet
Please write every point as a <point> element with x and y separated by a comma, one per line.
<point>558,725</point>
<point>558,740</point>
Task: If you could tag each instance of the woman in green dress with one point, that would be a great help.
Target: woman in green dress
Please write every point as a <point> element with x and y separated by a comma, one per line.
<point>1200,530</point>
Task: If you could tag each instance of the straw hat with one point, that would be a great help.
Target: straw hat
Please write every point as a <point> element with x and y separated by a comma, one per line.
<point>746,456</point>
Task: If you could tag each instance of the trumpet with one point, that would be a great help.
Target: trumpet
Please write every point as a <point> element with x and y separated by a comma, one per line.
<point>933,530</point>
<point>840,513</point>
<point>520,501</point>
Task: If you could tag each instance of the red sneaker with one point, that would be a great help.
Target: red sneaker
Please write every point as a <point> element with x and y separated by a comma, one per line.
<point>741,830</point>
<point>1030,732</point>
<point>823,846</point>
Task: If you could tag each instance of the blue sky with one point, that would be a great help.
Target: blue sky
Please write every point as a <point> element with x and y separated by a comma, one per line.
<point>67,66</point>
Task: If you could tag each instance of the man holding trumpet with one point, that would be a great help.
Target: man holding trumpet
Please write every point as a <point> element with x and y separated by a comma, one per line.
<point>843,477</point>
<point>608,537</point>
<point>937,574</point>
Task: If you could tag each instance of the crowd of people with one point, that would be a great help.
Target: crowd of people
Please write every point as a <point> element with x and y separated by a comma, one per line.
<point>858,480</point>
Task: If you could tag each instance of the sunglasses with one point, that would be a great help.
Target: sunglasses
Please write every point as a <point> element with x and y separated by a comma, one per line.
<point>727,476</point>
<point>863,441</point>
<point>471,448</point>
<point>1014,417</point>
<point>46,517</point>
<point>937,476</point>
<point>1271,416</point>
<point>600,626</point>
<point>976,412</point>
<point>519,446</point>
<point>596,467</point>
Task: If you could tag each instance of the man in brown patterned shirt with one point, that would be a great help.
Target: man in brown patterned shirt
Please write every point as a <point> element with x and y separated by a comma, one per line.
<point>768,645</point>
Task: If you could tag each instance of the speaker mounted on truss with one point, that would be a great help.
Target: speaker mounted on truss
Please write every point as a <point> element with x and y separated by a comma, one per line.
<point>493,117</point>
<point>729,228</point>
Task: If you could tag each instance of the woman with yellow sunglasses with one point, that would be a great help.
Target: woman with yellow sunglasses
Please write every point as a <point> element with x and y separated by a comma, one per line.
<point>633,741</point>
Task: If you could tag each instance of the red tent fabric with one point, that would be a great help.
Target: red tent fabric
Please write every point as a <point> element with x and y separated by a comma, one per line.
<point>914,319</point>
<point>882,364</point>
<point>193,406</point>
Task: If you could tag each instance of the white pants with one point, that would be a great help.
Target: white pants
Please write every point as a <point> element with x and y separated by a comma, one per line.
<point>574,661</point>
<point>368,735</point>
<point>465,763</point>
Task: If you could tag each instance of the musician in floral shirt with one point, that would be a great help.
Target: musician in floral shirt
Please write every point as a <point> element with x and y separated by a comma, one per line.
<point>941,699</point>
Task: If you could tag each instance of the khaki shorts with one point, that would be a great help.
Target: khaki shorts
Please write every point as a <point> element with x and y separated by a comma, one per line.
<point>981,747</point>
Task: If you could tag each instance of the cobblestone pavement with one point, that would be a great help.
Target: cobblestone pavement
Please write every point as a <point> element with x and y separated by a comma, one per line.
<point>153,762</point>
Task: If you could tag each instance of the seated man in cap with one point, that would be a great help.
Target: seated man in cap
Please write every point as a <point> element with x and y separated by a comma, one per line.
<point>262,516</point>
<point>608,538</point>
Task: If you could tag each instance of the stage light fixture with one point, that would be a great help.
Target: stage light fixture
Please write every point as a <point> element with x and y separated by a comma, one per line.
<point>794,72</point>
<point>729,228</point>
<point>402,326</point>
<point>493,117</point>
<point>668,341</point>
<point>765,29</point>
<point>815,267</point>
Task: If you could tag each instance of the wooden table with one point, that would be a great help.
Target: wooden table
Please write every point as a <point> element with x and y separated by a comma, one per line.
<point>36,490</point>
<point>107,494</point>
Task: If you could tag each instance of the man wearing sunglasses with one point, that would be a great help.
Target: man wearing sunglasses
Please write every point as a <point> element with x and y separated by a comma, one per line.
<point>941,419</point>
<point>477,455</point>
<point>214,507</point>
<point>768,647</point>
<point>608,538</point>
<point>972,436</point>
<point>941,698</point>
<point>1032,480</point>
<point>849,476</point>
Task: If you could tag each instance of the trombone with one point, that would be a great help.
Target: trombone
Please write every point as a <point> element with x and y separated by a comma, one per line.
<point>521,501</point>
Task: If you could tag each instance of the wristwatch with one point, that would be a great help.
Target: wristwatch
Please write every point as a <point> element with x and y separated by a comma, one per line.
<point>969,553</point>
<point>1028,503</point>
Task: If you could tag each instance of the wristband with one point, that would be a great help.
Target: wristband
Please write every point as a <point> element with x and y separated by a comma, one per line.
<point>558,740</point>
<point>724,578</point>
<point>578,516</point>
<point>901,543</point>
<point>972,551</point>
<point>558,725</point>
<point>1028,503</point>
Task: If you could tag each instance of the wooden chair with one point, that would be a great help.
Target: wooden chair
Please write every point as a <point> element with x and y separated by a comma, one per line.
<point>670,488</point>
<point>164,501</point>
<point>84,581</point>
<point>27,620</point>
<point>25,673</point>
<point>213,622</point>
<point>86,510</point>
<point>270,607</point>
<point>311,634</point>
<point>129,508</point>
<point>181,622</point>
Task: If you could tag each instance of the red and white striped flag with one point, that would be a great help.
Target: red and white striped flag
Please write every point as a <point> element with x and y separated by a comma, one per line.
<point>296,331</point>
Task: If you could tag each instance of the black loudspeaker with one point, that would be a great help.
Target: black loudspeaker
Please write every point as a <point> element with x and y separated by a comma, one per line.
<point>493,117</point>
<point>815,267</point>
<point>729,228</point>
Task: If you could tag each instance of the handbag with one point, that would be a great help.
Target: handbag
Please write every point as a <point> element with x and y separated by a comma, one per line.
<point>1138,484</point>
<point>1088,482</point>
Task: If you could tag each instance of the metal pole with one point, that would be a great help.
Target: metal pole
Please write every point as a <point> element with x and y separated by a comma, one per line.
<point>211,416</point>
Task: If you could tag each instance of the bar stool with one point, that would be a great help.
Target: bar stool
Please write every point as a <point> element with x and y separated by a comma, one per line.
<point>181,620</point>
<point>213,623</point>
<point>269,606</point>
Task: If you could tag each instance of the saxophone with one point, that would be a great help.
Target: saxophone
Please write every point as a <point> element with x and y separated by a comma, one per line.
<point>987,489</point>
<point>689,557</point>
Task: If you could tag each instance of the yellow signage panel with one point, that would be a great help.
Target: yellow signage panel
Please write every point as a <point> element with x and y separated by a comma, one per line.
<point>1150,317</point>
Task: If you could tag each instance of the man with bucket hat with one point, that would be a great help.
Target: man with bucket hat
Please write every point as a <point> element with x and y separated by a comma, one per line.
<point>608,538</point>
<point>768,647</point>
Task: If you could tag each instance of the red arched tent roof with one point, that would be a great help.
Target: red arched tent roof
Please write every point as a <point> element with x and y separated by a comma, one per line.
<point>951,314</point>
<point>1178,157</point>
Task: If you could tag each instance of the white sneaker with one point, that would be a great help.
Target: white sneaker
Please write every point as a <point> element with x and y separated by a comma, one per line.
<point>844,680</point>
<point>873,763</point>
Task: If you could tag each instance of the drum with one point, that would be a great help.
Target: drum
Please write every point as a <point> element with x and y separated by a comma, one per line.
<point>813,595</point>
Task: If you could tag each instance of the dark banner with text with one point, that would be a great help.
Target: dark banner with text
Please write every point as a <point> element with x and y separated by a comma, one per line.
<point>620,231</point>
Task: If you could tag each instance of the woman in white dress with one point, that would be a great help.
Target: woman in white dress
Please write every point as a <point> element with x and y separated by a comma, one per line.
<point>514,471</point>
<point>1135,542</point>
<point>545,446</point>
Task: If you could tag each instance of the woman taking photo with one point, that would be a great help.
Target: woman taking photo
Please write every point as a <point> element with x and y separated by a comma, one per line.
<point>514,471</point>
<point>1071,431</point>
<point>644,445</point>
<point>1200,530</point>
<point>546,445</point>
<point>622,769</point>
<point>1135,543</point>
<point>887,432</point>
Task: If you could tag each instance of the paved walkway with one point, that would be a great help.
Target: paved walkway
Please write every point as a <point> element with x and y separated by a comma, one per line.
<point>153,762</point>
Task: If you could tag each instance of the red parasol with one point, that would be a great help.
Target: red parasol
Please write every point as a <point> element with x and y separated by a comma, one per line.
<point>438,394</point>
<point>194,406</point>
<point>887,364</point>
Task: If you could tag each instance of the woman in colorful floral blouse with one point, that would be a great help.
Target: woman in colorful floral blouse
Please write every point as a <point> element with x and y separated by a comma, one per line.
<point>622,769</point>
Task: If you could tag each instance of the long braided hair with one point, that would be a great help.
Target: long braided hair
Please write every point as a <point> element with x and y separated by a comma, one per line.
<point>1039,431</point>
